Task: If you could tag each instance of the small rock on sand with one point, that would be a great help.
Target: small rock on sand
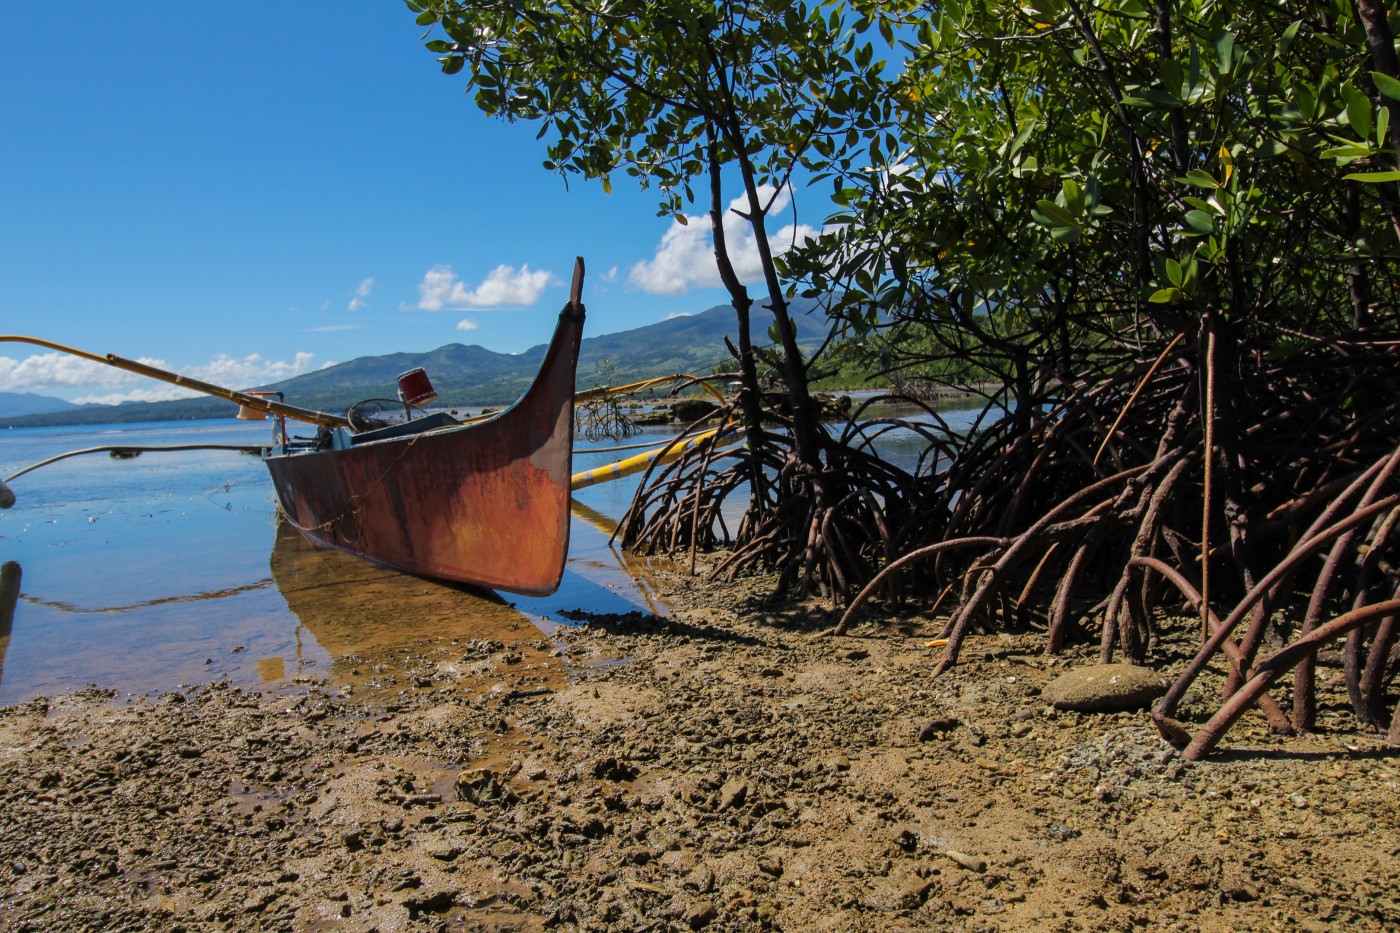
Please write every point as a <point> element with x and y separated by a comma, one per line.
<point>1105,688</point>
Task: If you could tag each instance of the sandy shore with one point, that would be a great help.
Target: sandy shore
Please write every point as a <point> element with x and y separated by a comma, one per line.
<point>720,770</point>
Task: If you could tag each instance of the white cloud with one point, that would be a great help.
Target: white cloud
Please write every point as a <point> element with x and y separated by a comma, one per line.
<point>467,324</point>
<point>332,327</point>
<point>48,371</point>
<point>361,293</point>
<point>504,287</point>
<point>59,370</point>
<point>686,257</point>
<point>675,314</point>
<point>163,394</point>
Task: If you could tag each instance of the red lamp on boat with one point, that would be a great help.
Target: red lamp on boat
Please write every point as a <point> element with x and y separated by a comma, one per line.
<point>415,389</point>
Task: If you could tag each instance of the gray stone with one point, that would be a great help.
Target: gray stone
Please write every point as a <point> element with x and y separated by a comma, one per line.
<point>1105,688</point>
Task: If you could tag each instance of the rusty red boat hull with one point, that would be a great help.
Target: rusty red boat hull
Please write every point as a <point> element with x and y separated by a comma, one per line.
<point>484,503</point>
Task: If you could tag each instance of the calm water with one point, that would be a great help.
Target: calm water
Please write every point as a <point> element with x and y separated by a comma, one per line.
<point>142,575</point>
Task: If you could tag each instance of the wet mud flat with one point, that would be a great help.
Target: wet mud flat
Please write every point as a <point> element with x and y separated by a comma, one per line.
<point>721,769</point>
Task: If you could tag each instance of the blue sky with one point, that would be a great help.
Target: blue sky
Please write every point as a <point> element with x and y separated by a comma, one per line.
<point>247,191</point>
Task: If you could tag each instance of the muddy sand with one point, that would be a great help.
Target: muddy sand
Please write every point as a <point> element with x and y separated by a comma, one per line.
<point>720,770</point>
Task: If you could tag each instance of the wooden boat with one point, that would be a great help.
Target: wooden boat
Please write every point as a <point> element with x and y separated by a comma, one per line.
<point>485,502</point>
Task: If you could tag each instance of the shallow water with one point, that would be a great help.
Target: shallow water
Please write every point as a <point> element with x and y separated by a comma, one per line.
<point>141,575</point>
<point>144,575</point>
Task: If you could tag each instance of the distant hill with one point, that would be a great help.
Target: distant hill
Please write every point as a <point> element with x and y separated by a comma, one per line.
<point>14,404</point>
<point>473,375</point>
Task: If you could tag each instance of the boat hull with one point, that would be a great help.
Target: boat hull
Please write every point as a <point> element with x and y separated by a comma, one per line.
<point>484,503</point>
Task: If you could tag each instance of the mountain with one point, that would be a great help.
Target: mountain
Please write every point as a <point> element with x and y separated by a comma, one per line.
<point>14,404</point>
<point>474,375</point>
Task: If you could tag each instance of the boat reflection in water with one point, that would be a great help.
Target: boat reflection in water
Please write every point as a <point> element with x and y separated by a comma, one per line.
<point>380,626</point>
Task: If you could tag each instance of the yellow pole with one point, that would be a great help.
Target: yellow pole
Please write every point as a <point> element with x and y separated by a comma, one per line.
<point>640,462</point>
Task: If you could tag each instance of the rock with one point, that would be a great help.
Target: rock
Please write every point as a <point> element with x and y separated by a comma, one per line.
<point>970,862</point>
<point>687,410</point>
<point>443,850</point>
<point>700,914</point>
<point>834,764</point>
<point>574,820</point>
<point>733,793</point>
<point>611,769</point>
<point>902,889</point>
<point>701,879</point>
<point>934,726</point>
<point>1105,688</point>
<point>485,788</point>
<point>434,900</point>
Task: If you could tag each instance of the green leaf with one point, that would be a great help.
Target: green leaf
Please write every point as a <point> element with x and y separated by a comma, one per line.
<point>1172,75</point>
<point>1174,272</point>
<point>1056,214</point>
<point>1164,295</point>
<point>1386,85</point>
<point>1225,50</point>
<point>1200,222</point>
<point>1285,41</point>
<point>438,46</point>
<point>1065,234</point>
<point>1020,140</point>
<point>1373,176</point>
<point>1305,99</point>
<point>1199,179</point>
<point>1074,197</point>
<point>1153,99</point>
<point>1346,152</point>
<point>1358,109</point>
<point>452,65</point>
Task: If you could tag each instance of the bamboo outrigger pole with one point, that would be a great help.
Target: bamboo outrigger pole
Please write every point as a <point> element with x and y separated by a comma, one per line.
<point>233,395</point>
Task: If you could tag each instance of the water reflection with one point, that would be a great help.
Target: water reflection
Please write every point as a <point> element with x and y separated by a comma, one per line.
<point>375,623</point>
<point>356,608</point>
